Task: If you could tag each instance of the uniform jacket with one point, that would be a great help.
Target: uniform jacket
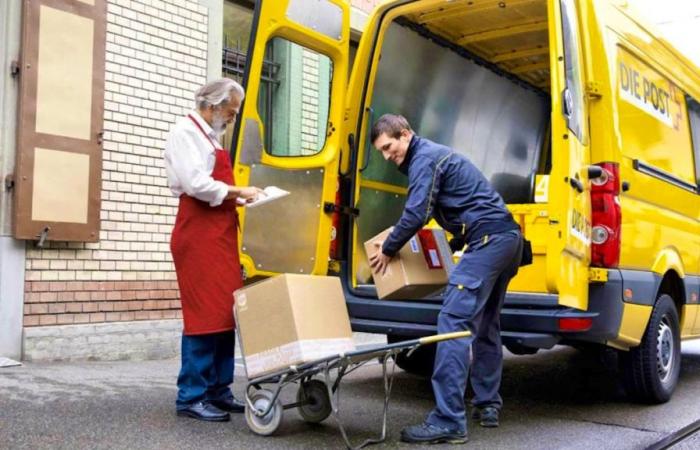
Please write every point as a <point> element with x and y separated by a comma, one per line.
<point>447,186</point>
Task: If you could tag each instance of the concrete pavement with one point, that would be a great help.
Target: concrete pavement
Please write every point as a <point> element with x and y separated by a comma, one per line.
<point>557,399</point>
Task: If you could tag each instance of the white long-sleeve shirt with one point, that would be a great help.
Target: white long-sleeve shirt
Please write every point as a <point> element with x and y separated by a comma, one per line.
<point>189,161</point>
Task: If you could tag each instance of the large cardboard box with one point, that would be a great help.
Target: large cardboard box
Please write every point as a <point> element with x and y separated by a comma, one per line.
<point>291,319</point>
<point>418,270</point>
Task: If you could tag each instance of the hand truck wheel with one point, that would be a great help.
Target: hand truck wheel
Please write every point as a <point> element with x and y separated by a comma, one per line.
<point>317,404</point>
<point>267,424</point>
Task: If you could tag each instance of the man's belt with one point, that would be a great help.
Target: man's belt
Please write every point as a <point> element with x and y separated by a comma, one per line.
<point>481,229</point>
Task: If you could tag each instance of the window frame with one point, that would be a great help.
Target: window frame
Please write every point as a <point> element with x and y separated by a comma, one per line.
<point>573,72</point>
<point>693,110</point>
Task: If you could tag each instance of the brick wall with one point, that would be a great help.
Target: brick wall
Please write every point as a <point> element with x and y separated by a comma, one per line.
<point>309,106</point>
<point>156,58</point>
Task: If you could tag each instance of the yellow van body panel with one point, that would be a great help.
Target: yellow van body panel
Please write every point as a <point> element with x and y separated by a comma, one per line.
<point>634,323</point>
<point>569,235</point>
<point>689,321</point>
<point>635,85</point>
<point>275,22</point>
<point>534,221</point>
<point>666,260</point>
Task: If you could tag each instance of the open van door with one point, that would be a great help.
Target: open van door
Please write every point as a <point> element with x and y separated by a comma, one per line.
<point>288,133</point>
<point>569,242</point>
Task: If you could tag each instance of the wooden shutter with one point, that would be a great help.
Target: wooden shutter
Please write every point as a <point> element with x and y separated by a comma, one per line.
<point>59,145</point>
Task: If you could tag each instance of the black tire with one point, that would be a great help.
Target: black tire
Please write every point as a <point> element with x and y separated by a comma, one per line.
<point>319,406</point>
<point>519,349</point>
<point>650,371</point>
<point>420,362</point>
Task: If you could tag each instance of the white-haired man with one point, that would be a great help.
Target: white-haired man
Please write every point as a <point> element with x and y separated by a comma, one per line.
<point>204,245</point>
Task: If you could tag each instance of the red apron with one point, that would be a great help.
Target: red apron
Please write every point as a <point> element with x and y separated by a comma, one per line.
<point>204,244</point>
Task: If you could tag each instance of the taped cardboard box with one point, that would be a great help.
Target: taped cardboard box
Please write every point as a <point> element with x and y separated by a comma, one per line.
<point>418,270</point>
<point>291,319</point>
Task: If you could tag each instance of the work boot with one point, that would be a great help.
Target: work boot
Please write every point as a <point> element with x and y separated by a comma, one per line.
<point>486,416</point>
<point>426,433</point>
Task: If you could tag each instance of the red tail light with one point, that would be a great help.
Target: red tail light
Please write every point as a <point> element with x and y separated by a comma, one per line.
<point>606,217</point>
<point>575,324</point>
<point>335,225</point>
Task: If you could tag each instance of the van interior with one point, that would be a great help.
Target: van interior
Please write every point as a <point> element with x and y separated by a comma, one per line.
<point>473,75</point>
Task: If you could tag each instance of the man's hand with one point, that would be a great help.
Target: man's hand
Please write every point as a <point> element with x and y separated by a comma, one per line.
<point>250,193</point>
<point>379,261</point>
<point>244,194</point>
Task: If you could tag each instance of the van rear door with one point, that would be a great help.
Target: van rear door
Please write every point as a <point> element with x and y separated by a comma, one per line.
<point>288,132</point>
<point>568,247</point>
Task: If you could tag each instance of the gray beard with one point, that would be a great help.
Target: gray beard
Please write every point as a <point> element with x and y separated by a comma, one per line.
<point>218,125</point>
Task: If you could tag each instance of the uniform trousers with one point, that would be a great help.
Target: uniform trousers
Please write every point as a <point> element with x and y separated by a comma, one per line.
<point>473,300</point>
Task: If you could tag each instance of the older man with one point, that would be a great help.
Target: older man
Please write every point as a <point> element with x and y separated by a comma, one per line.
<point>204,245</point>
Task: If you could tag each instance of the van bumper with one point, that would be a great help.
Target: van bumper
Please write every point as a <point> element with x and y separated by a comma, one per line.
<point>529,320</point>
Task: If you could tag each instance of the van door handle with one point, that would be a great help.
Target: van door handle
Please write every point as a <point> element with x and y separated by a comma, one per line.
<point>576,184</point>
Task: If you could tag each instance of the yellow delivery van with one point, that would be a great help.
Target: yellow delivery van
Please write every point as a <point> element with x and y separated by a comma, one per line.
<point>585,120</point>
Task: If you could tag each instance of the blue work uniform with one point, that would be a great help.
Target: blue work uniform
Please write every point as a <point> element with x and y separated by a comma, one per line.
<point>445,185</point>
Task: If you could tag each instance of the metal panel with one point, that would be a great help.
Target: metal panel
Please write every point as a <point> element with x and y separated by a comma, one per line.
<point>252,147</point>
<point>319,15</point>
<point>281,235</point>
<point>498,124</point>
<point>378,211</point>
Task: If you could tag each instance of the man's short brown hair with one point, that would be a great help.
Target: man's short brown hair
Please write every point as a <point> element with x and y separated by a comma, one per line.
<point>391,124</point>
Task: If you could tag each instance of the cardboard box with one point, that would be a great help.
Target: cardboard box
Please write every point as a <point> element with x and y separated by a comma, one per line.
<point>291,319</point>
<point>418,270</point>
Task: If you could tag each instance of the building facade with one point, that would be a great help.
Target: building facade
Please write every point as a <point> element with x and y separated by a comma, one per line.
<point>115,296</point>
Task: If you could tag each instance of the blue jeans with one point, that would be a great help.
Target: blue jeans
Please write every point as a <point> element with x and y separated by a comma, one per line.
<point>473,301</point>
<point>207,368</point>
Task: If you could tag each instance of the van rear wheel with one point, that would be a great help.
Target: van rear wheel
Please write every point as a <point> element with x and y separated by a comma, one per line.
<point>650,371</point>
<point>420,362</point>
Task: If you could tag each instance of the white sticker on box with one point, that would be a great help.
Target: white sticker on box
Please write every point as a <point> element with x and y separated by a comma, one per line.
<point>293,353</point>
<point>241,301</point>
<point>434,258</point>
<point>414,244</point>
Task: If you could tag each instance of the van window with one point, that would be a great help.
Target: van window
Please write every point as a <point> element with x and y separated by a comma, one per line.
<point>572,97</point>
<point>293,101</point>
<point>694,116</point>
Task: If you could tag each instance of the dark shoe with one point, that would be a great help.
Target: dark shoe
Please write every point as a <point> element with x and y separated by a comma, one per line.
<point>487,416</point>
<point>426,433</point>
<point>230,404</point>
<point>204,411</point>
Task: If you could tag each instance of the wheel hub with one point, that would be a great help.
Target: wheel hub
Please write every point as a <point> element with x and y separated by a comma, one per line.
<point>664,351</point>
<point>260,405</point>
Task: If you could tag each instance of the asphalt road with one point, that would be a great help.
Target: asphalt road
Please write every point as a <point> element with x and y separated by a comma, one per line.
<point>558,399</point>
